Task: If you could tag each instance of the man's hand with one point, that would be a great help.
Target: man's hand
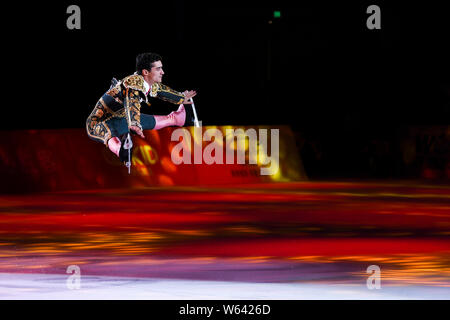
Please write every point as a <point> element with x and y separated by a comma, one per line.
<point>137,131</point>
<point>188,95</point>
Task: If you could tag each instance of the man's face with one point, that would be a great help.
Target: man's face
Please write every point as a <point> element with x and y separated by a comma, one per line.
<point>155,74</point>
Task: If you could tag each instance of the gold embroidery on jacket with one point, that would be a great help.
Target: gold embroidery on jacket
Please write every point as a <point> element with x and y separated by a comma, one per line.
<point>135,82</point>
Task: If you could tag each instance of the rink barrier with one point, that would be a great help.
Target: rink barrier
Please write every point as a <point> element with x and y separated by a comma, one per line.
<point>66,159</point>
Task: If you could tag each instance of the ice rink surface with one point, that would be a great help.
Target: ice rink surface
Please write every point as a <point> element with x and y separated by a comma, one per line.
<point>54,287</point>
<point>283,241</point>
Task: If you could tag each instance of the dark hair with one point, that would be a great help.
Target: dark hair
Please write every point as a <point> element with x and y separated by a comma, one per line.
<point>145,61</point>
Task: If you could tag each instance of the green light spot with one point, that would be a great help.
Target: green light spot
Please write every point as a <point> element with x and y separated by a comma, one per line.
<point>277,14</point>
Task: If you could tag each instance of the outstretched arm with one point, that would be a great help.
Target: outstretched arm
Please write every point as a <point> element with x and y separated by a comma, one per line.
<point>132,86</point>
<point>133,111</point>
<point>188,95</point>
<point>165,93</point>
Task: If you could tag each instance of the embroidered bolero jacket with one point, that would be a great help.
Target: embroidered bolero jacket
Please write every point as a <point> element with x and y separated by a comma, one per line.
<point>125,96</point>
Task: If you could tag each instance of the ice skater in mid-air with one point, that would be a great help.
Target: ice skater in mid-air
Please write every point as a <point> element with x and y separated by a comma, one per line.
<point>117,112</point>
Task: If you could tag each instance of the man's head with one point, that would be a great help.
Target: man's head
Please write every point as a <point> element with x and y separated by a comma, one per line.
<point>149,65</point>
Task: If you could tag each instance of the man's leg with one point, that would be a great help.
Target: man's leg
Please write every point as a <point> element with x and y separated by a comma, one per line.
<point>114,145</point>
<point>175,118</point>
<point>149,122</point>
<point>119,126</point>
<point>104,132</point>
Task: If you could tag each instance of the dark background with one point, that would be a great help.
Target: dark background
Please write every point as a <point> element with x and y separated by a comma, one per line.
<point>317,68</point>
